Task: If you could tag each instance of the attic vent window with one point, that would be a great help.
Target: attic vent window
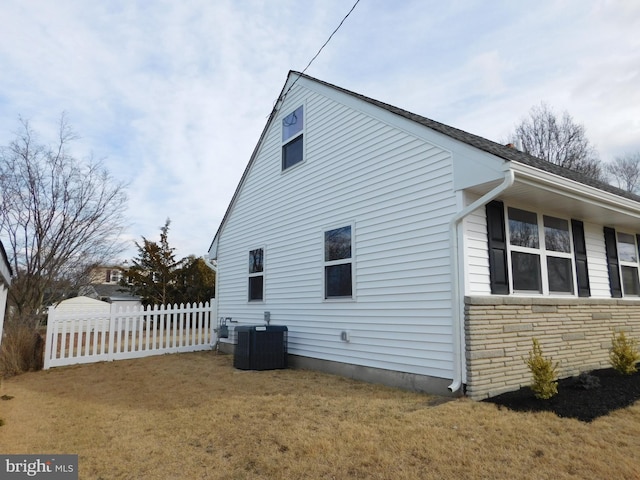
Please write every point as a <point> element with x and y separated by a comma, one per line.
<point>292,138</point>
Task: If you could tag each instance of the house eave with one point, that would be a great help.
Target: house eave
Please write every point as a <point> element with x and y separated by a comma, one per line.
<point>5,267</point>
<point>292,78</point>
<point>548,190</point>
<point>213,249</point>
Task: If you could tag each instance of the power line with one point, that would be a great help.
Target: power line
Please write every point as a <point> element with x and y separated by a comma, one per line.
<point>321,48</point>
<point>331,36</point>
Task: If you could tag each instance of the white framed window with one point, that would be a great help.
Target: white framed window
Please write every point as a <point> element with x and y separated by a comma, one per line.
<point>338,262</point>
<point>540,253</point>
<point>293,138</point>
<point>628,258</point>
<point>256,275</point>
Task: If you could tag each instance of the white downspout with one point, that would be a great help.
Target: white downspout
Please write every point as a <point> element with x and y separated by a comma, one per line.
<point>458,331</point>
<point>214,301</point>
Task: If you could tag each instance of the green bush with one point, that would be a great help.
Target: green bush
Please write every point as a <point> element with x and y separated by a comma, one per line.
<point>544,373</point>
<point>623,354</point>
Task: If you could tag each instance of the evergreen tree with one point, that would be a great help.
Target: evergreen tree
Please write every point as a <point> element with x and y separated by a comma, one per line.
<point>154,273</point>
<point>159,279</point>
<point>196,281</point>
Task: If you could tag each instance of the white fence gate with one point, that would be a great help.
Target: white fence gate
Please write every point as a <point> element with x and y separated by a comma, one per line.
<point>131,332</point>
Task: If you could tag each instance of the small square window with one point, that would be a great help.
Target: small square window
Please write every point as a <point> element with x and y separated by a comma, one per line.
<point>292,152</point>
<point>526,271</point>
<point>256,260</point>
<point>337,244</point>
<point>627,248</point>
<point>556,234</point>
<point>560,274</point>
<point>523,228</point>
<point>630,283</point>
<point>292,124</point>
<point>256,288</point>
<point>338,280</point>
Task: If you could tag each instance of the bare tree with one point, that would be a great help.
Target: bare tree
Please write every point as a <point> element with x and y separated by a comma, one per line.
<point>557,140</point>
<point>625,171</point>
<point>60,216</point>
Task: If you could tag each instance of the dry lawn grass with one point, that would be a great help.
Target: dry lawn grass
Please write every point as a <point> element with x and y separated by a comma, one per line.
<point>192,416</point>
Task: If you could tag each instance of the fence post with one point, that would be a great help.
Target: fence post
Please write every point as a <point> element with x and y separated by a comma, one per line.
<point>213,320</point>
<point>112,333</point>
<point>48,343</point>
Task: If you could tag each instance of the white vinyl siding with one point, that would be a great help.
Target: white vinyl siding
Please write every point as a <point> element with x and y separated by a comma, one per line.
<point>476,252</point>
<point>597,261</point>
<point>397,189</point>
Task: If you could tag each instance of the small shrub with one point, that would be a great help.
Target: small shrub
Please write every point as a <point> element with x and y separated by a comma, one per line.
<point>544,383</point>
<point>623,354</point>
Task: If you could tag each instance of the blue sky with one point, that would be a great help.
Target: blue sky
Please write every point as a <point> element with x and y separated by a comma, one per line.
<point>173,95</point>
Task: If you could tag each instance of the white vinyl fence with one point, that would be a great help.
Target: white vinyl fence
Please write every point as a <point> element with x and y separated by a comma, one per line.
<point>132,332</point>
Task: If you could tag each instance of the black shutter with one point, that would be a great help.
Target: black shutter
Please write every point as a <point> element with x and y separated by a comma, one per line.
<point>612,262</point>
<point>580,254</point>
<point>496,233</point>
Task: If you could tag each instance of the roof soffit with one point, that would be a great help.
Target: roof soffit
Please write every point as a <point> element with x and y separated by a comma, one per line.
<point>544,191</point>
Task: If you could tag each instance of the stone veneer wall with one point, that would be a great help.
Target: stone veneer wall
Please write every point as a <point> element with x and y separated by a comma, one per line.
<point>576,333</point>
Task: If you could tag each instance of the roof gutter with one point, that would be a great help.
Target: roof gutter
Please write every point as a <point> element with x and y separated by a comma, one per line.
<point>209,263</point>
<point>458,331</point>
<point>213,265</point>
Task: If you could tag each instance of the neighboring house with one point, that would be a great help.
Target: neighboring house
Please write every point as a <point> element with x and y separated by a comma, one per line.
<point>400,250</point>
<point>106,275</point>
<point>5,283</point>
<point>105,286</point>
<point>114,294</point>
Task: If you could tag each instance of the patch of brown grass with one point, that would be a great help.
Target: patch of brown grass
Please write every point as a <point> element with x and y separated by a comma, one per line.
<point>193,416</point>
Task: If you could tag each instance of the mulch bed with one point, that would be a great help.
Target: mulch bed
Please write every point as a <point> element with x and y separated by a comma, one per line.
<point>585,397</point>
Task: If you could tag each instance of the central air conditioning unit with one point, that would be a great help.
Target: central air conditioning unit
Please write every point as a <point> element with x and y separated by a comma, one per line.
<point>261,347</point>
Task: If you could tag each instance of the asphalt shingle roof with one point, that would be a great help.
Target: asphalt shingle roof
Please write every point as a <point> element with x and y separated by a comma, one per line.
<point>497,149</point>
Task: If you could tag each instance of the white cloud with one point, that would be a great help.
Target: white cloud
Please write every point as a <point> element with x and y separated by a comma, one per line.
<point>174,95</point>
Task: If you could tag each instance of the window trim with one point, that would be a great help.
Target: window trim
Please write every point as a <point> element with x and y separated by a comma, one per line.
<point>542,252</point>
<point>262,274</point>
<point>293,138</point>
<point>351,260</point>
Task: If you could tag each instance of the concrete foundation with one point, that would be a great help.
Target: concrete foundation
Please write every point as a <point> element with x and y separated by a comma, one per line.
<point>390,378</point>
